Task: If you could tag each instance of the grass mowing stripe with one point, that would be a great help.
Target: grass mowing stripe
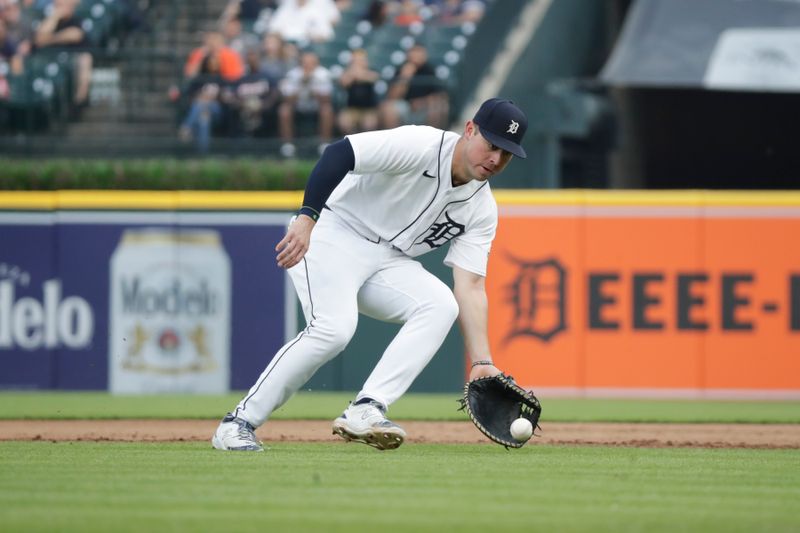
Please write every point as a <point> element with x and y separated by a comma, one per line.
<point>327,405</point>
<point>339,487</point>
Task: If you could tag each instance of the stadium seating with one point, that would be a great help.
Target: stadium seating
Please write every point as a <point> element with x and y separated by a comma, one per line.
<point>39,96</point>
<point>39,99</point>
<point>386,45</point>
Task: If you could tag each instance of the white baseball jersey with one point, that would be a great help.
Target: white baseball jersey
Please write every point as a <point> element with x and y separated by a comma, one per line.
<point>400,191</point>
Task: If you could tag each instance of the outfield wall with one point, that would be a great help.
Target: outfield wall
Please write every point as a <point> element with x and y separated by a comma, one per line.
<point>596,293</point>
<point>140,292</point>
<point>656,293</point>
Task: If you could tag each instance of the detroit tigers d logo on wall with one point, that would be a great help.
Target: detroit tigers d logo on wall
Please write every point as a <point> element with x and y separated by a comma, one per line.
<point>537,296</point>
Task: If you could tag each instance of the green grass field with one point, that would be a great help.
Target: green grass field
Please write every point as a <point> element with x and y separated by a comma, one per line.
<point>342,487</point>
<point>325,405</point>
<point>103,486</point>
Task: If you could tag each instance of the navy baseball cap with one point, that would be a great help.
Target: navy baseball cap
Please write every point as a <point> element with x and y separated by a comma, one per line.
<point>503,124</point>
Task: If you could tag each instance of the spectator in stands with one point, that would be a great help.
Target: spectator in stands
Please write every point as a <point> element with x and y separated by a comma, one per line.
<point>248,11</point>
<point>377,13</point>
<point>291,53</point>
<point>12,53</point>
<point>16,38</point>
<point>209,72</point>
<point>237,38</point>
<point>203,90</point>
<point>275,62</point>
<point>7,42</point>
<point>256,96</point>
<point>230,63</point>
<point>304,21</point>
<point>307,91</point>
<point>361,109</point>
<point>415,95</point>
<point>7,47</point>
<point>8,57</point>
<point>62,29</point>
<point>19,22</point>
<point>331,9</point>
<point>454,12</point>
<point>408,13</point>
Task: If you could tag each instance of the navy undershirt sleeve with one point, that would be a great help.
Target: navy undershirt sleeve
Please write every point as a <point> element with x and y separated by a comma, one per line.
<point>337,160</point>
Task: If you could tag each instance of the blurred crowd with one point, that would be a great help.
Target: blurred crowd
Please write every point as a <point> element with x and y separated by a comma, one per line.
<point>30,28</point>
<point>260,74</point>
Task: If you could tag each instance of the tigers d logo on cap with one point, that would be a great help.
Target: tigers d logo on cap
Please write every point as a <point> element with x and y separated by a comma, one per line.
<point>503,124</point>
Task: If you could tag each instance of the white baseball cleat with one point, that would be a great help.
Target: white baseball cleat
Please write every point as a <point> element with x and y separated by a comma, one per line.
<point>235,434</point>
<point>367,423</point>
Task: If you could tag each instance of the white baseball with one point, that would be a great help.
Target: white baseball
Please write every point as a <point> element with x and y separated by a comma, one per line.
<point>521,429</point>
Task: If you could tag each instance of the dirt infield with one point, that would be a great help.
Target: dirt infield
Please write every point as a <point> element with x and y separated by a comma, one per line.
<point>642,435</point>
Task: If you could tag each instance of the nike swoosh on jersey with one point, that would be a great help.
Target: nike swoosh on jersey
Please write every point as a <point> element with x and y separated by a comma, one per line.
<point>425,173</point>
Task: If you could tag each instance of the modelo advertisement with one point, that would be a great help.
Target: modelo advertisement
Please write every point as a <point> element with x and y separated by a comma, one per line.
<point>170,319</point>
<point>650,299</point>
<point>140,302</point>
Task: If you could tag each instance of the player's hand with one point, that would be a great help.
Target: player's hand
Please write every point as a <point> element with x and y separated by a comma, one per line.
<point>483,371</point>
<point>294,245</point>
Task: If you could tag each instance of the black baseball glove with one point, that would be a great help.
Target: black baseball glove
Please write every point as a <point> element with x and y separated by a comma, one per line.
<point>493,403</point>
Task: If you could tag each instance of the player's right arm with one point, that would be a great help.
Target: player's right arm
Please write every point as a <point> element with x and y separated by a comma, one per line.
<point>469,256</point>
<point>469,289</point>
<point>337,160</point>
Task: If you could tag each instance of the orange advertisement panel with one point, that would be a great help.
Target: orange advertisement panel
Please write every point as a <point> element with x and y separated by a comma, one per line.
<point>676,298</point>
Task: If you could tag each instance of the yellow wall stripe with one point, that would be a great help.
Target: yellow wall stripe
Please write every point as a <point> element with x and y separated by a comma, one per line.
<point>291,200</point>
<point>24,200</point>
<point>151,200</point>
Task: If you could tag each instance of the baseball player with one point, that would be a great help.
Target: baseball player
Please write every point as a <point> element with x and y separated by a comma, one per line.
<point>373,202</point>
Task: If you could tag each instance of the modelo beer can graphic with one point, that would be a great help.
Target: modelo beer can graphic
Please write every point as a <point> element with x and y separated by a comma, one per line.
<point>169,313</point>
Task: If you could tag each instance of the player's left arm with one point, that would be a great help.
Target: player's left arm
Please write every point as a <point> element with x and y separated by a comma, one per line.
<point>469,289</point>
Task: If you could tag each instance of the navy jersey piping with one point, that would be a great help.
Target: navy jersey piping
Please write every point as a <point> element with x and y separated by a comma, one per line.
<point>438,184</point>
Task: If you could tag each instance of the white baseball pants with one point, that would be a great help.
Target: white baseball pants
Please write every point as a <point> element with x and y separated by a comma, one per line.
<point>341,275</point>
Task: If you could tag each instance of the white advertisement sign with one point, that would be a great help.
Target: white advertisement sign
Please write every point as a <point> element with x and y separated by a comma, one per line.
<point>170,313</point>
